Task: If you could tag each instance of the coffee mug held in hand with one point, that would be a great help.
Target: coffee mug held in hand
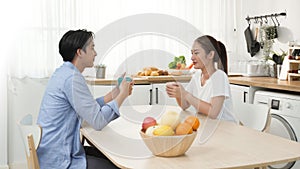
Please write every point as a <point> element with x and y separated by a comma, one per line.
<point>120,79</point>
<point>171,84</point>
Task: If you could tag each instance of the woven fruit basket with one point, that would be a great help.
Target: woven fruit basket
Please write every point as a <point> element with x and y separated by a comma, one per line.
<point>168,146</point>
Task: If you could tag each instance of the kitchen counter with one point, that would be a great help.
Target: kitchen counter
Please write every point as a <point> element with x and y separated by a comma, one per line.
<point>141,80</point>
<point>263,82</point>
<point>266,82</point>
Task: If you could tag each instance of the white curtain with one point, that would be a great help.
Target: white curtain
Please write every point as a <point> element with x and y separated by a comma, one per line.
<point>36,54</point>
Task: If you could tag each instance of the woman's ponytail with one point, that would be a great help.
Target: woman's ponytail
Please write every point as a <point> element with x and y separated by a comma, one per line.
<point>222,61</point>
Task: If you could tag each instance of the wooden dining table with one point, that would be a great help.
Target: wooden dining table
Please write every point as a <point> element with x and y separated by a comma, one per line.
<point>219,144</point>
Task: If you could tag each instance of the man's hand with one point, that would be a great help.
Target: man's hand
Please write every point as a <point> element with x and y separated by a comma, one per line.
<point>126,87</point>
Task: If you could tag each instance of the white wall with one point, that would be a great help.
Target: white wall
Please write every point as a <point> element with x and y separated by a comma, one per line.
<point>4,43</point>
<point>256,8</point>
<point>3,115</point>
<point>24,95</point>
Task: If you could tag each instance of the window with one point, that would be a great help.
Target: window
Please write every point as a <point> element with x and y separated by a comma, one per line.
<point>36,44</point>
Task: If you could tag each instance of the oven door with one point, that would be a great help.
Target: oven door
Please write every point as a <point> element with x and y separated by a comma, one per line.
<point>281,126</point>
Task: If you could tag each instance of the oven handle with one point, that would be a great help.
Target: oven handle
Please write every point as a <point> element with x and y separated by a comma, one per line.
<point>261,102</point>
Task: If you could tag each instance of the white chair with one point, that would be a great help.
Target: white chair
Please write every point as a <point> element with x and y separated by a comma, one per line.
<point>31,136</point>
<point>253,116</point>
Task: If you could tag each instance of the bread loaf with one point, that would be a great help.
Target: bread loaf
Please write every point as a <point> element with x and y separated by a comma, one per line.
<point>152,71</point>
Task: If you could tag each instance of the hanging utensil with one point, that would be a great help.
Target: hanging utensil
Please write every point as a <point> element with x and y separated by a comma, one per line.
<point>249,39</point>
<point>255,44</point>
<point>252,45</point>
<point>278,24</point>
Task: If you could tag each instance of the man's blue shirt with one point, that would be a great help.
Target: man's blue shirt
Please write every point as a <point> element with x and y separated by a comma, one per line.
<point>66,102</point>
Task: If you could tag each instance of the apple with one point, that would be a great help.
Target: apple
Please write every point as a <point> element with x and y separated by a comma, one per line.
<point>150,130</point>
<point>148,122</point>
<point>170,118</point>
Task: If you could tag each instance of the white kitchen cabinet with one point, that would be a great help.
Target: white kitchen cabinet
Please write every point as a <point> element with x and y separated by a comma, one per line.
<point>98,91</point>
<point>152,94</point>
<point>160,96</point>
<point>239,93</point>
<point>141,95</point>
<point>148,94</point>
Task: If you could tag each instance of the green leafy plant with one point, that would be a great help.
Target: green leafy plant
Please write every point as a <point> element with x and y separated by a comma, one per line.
<point>177,63</point>
<point>267,36</point>
<point>271,32</point>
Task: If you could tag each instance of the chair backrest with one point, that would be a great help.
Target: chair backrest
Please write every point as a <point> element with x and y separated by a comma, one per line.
<point>253,116</point>
<point>31,136</point>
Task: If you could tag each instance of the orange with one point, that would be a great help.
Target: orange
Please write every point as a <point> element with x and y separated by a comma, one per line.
<point>184,128</point>
<point>193,121</point>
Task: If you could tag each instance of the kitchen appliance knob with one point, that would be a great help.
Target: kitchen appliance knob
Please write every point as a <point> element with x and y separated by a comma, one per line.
<point>288,105</point>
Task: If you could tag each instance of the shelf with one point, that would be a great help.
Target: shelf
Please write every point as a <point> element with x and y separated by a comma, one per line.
<point>293,65</point>
<point>293,76</point>
<point>294,61</point>
<point>294,47</point>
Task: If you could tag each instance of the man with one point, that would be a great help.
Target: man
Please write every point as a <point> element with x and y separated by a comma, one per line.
<point>67,102</point>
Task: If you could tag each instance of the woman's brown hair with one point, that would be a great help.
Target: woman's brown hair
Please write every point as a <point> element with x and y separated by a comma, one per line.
<point>209,43</point>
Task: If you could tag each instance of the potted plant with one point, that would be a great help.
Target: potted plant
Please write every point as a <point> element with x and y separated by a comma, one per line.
<point>277,60</point>
<point>99,66</point>
<point>267,36</point>
<point>271,32</point>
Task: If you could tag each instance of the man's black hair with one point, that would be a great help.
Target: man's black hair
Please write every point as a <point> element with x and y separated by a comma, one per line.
<point>73,40</point>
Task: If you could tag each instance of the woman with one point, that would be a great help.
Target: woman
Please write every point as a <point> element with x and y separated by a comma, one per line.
<point>209,90</point>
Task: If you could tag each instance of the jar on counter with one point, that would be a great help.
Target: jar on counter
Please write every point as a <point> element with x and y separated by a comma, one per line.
<point>100,71</point>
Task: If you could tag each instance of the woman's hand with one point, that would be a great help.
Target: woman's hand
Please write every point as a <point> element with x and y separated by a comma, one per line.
<point>175,90</point>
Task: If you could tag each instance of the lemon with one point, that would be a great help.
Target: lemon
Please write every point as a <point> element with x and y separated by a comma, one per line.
<point>163,130</point>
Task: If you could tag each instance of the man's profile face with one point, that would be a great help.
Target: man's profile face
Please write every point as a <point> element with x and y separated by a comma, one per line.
<point>89,53</point>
